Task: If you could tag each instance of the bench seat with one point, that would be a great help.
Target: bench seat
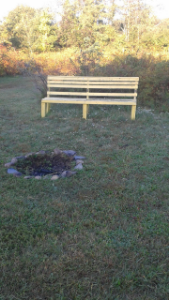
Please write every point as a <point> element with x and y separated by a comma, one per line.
<point>95,83</point>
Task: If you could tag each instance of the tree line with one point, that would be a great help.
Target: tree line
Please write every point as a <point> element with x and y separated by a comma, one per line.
<point>86,24</point>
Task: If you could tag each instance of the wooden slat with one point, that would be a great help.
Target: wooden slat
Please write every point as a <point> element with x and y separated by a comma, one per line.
<point>94,78</point>
<point>91,78</point>
<point>52,83</point>
<point>90,101</point>
<point>93,94</point>
<point>120,86</point>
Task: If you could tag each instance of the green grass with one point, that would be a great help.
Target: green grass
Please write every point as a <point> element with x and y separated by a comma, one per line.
<point>102,234</point>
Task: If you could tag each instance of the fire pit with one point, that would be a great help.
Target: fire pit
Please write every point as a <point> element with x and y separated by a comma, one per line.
<point>46,164</point>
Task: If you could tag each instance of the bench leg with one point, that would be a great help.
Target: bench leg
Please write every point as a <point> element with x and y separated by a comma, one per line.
<point>133,112</point>
<point>43,109</point>
<point>85,109</point>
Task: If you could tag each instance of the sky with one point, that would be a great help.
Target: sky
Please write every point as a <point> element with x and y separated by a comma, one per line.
<point>161,7</point>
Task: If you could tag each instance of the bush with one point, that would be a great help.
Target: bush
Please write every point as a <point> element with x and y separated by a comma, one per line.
<point>10,61</point>
<point>153,73</point>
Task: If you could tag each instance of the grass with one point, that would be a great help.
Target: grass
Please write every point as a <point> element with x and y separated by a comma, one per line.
<point>102,234</point>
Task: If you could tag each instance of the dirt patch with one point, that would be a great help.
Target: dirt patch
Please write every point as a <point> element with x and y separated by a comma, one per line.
<point>40,165</point>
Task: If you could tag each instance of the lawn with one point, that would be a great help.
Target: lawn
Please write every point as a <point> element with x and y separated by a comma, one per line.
<point>102,234</point>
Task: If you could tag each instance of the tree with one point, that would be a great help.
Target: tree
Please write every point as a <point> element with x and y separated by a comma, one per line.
<point>68,35</point>
<point>85,20</point>
<point>16,25</point>
<point>27,28</point>
<point>136,16</point>
<point>46,31</point>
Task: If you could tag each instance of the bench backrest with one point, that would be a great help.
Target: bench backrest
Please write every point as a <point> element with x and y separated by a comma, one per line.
<point>90,86</point>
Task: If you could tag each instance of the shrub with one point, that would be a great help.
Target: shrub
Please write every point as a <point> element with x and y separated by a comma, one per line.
<point>10,61</point>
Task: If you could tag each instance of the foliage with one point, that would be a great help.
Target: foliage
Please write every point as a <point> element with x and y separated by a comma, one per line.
<point>46,31</point>
<point>28,29</point>
<point>11,61</point>
<point>153,73</point>
<point>88,58</point>
<point>135,28</point>
<point>36,73</point>
<point>18,26</point>
<point>85,20</point>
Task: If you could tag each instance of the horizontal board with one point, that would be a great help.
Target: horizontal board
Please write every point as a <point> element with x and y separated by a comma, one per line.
<point>89,101</point>
<point>53,83</point>
<point>101,86</point>
<point>93,94</point>
<point>92,78</point>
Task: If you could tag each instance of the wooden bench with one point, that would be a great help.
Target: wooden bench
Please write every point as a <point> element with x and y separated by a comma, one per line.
<point>91,90</point>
